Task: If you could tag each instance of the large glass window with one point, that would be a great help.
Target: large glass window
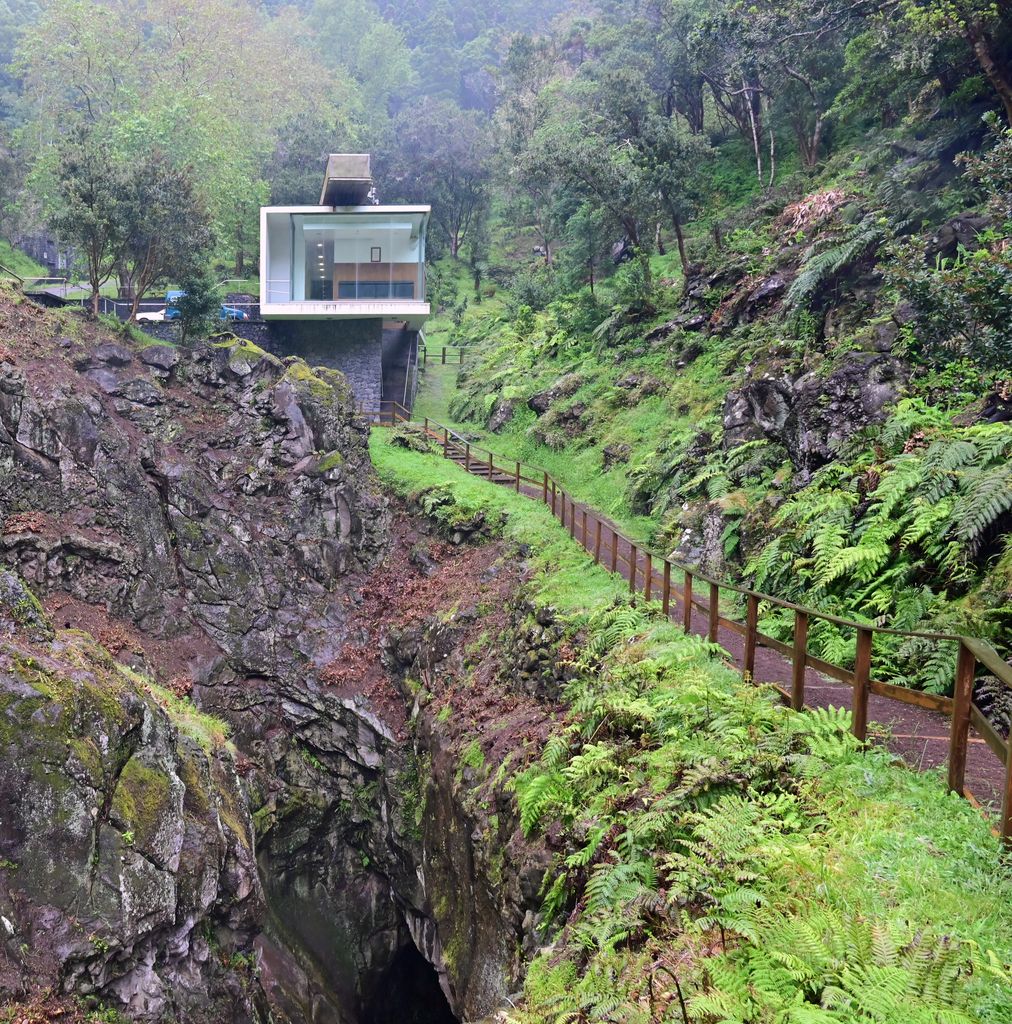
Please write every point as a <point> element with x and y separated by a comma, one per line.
<point>358,257</point>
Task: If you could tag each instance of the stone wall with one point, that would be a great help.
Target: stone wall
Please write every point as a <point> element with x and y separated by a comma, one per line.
<point>356,348</point>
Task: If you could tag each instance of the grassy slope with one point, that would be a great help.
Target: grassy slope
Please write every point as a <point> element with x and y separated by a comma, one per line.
<point>713,836</point>
<point>675,470</point>
<point>18,263</point>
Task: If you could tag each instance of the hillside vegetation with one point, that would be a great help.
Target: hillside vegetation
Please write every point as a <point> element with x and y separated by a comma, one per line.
<point>814,394</point>
<point>718,857</point>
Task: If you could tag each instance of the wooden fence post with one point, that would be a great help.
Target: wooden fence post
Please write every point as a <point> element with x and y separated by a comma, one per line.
<point>714,613</point>
<point>544,491</point>
<point>862,674</point>
<point>649,583</point>
<point>490,467</point>
<point>800,660</point>
<point>446,442</point>
<point>426,424</point>
<point>444,355</point>
<point>467,456</point>
<point>633,559</point>
<point>553,498</point>
<point>966,669</point>
<point>1006,803</point>
<point>751,629</point>
<point>666,591</point>
<point>586,539</point>
<point>572,519</point>
<point>597,541</point>
<point>614,551</point>
<point>518,478</point>
<point>687,603</point>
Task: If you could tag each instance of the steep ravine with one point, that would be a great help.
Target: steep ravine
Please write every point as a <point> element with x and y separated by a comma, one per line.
<point>205,535</point>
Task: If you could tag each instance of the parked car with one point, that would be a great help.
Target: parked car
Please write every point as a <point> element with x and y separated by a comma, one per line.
<point>155,316</point>
<point>226,312</point>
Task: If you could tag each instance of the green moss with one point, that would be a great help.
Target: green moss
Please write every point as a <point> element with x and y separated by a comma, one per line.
<point>333,460</point>
<point>142,800</point>
<point>300,373</point>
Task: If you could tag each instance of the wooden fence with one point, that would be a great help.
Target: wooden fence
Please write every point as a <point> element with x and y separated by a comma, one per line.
<point>445,356</point>
<point>652,575</point>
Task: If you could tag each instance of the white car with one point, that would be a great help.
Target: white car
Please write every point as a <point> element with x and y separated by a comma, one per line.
<point>154,317</point>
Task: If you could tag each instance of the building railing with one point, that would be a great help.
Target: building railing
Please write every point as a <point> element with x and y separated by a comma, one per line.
<point>386,414</point>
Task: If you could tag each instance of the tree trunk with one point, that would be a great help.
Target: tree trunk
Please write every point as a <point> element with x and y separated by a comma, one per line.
<point>680,237</point>
<point>996,74</point>
<point>94,302</point>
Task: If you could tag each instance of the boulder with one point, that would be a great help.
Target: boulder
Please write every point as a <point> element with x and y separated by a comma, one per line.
<point>162,358</point>
<point>812,414</point>
<point>958,233</point>
<point>564,387</point>
<point>502,414</point>
<point>125,842</point>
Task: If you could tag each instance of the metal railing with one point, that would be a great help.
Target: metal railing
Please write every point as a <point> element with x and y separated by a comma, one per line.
<point>651,575</point>
<point>6,274</point>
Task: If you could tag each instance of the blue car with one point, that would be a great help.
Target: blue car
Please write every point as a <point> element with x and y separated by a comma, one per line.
<point>226,312</point>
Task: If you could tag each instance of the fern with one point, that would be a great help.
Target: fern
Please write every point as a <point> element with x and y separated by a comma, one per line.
<point>820,270</point>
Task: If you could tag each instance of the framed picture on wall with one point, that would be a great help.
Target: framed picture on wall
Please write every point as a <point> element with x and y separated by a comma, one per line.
<point>376,256</point>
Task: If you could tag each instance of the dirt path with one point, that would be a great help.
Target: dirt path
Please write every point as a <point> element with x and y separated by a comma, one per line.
<point>919,736</point>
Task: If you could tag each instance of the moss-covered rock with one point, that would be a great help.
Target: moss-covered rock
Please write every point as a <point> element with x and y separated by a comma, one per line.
<point>124,843</point>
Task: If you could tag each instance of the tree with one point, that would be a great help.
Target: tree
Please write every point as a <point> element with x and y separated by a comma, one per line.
<point>211,81</point>
<point>199,305</point>
<point>15,17</point>
<point>984,25</point>
<point>87,206</point>
<point>166,226</point>
<point>354,39</point>
<point>534,194</point>
<point>587,247</point>
<point>672,163</point>
<point>443,157</point>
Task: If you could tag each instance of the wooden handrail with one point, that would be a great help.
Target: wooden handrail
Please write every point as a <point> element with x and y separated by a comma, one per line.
<point>973,651</point>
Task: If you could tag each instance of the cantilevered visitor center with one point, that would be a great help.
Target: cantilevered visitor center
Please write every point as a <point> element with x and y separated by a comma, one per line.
<point>347,259</point>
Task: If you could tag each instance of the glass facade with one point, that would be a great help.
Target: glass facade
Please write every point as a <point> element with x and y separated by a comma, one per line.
<point>347,257</point>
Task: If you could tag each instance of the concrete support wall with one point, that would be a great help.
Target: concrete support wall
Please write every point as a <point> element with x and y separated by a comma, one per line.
<point>355,347</point>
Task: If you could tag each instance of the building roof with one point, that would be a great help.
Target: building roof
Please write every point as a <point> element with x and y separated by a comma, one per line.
<point>348,180</point>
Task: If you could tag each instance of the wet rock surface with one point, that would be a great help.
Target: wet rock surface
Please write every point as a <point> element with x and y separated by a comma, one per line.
<point>209,516</point>
<point>126,849</point>
<point>810,415</point>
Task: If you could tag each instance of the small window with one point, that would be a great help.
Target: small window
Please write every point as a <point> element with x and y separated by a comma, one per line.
<point>376,256</point>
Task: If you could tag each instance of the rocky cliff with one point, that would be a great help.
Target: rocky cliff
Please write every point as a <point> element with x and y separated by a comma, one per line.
<point>205,534</point>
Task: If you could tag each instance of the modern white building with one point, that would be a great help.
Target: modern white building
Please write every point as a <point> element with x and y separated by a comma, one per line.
<point>346,259</point>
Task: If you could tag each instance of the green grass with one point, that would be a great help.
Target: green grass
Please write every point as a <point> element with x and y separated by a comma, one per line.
<point>17,262</point>
<point>437,387</point>
<point>778,870</point>
<point>451,286</point>
<point>500,365</point>
<point>570,581</point>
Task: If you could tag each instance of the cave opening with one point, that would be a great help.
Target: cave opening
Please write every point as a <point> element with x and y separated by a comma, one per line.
<point>408,993</point>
